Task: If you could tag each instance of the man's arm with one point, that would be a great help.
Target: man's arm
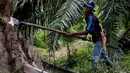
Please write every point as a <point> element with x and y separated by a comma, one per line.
<point>85,32</point>
<point>103,38</point>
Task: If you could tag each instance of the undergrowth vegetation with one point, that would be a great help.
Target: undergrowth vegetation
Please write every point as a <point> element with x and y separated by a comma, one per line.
<point>78,58</point>
<point>80,61</point>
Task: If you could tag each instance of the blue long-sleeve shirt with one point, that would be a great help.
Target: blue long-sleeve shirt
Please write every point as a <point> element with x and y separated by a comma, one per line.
<point>93,27</point>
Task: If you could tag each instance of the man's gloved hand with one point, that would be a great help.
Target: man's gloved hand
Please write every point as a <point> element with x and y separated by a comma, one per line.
<point>84,37</point>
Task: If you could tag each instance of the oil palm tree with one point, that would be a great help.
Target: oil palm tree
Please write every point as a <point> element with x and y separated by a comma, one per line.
<point>115,17</point>
<point>57,14</point>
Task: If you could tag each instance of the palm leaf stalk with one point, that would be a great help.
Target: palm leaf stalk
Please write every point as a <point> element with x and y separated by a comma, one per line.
<point>51,29</point>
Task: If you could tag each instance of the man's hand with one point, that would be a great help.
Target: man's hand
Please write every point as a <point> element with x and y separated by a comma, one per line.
<point>84,37</point>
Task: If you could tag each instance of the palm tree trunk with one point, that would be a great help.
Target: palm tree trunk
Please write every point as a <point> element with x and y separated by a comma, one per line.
<point>14,48</point>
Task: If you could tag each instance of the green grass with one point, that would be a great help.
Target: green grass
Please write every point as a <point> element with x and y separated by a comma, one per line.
<point>82,65</point>
<point>41,51</point>
<point>125,62</point>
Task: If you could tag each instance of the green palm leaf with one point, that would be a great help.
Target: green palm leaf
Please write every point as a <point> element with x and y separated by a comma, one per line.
<point>69,13</point>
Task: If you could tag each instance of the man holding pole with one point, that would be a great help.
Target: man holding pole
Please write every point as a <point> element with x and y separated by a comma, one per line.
<point>95,29</point>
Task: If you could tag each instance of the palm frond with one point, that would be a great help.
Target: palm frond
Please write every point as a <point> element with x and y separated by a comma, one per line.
<point>69,13</point>
<point>40,12</point>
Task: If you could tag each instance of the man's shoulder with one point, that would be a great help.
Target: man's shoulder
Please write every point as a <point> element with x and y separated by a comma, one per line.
<point>95,19</point>
<point>94,16</point>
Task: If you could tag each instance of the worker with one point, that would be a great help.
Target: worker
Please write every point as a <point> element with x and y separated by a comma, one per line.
<point>95,29</point>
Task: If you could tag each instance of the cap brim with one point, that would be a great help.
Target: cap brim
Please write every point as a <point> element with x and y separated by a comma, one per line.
<point>87,5</point>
